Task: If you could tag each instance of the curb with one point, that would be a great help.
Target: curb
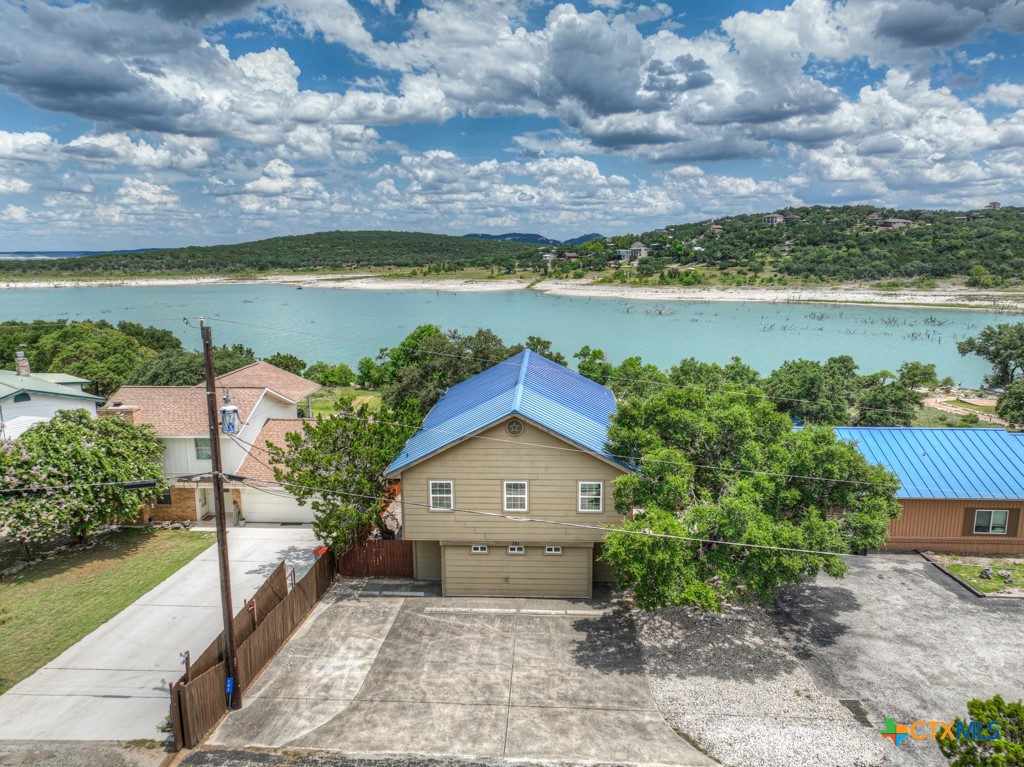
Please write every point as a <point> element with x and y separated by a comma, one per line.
<point>964,583</point>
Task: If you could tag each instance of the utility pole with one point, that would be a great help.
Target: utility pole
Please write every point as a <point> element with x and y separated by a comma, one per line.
<point>233,691</point>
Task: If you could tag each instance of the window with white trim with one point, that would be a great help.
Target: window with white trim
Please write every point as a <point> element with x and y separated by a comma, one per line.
<point>515,496</point>
<point>442,495</point>
<point>553,550</point>
<point>990,521</point>
<point>591,497</point>
<point>203,450</point>
<point>164,499</point>
<point>517,549</point>
<point>477,549</point>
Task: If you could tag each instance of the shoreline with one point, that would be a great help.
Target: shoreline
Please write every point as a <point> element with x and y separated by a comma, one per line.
<point>855,294</point>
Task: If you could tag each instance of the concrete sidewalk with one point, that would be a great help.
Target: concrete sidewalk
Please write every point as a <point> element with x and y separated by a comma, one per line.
<point>113,684</point>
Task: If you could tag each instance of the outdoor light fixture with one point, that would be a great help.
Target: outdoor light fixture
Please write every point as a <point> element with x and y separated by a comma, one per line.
<point>228,417</point>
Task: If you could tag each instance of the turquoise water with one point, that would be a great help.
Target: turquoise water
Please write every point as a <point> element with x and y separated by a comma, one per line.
<point>320,323</point>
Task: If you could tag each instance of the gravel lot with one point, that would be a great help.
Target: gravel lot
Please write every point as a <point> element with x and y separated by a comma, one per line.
<point>733,684</point>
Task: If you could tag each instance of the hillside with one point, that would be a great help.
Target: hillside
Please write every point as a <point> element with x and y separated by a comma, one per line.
<point>308,252</point>
<point>535,239</point>
<point>842,243</point>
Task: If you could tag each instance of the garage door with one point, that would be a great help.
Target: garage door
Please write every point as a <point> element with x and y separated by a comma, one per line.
<point>533,573</point>
<point>263,507</point>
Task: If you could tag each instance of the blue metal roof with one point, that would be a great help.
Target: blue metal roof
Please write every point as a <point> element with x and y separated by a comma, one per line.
<point>946,463</point>
<point>528,385</point>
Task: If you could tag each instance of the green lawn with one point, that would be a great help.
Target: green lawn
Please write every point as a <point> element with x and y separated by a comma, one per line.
<point>987,409</point>
<point>970,573</point>
<point>325,399</point>
<point>46,608</point>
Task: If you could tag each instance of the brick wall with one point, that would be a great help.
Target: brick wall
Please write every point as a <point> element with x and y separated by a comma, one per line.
<point>182,507</point>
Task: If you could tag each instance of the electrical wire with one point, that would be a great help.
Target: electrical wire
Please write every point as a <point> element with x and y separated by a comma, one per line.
<point>82,485</point>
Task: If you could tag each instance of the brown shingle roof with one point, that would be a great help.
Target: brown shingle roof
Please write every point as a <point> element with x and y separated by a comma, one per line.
<point>256,464</point>
<point>263,374</point>
<point>179,411</point>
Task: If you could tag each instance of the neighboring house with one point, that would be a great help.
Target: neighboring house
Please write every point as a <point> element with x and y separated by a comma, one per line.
<point>894,223</point>
<point>774,219</point>
<point>178,416</point>
<point>994,206</point>
<point>524,438</point>
<point>962,489</point>
<point>622,254</point>
<point>637,251</point>
<point>875,216</point>
<point>28,398</point>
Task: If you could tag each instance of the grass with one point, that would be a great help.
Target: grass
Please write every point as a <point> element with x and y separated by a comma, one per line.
<point>46,608</point>
<point>969,573</point>
<point>325,399</point>
<point>987,409</point>
<point>932,418</point>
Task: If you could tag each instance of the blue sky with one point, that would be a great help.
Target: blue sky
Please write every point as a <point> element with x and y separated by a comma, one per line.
<point>144,123</point>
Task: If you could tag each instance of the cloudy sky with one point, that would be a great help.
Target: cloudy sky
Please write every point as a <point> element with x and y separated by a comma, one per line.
<point>135,123</point>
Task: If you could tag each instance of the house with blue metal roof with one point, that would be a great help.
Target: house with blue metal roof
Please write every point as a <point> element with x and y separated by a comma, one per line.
<point>28,398</point>
<point>501,462</point>
<point>961,489</point>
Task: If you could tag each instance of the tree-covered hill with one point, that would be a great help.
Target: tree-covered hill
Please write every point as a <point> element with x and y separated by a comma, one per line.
<point>307,252</point>
<point>844,243</point>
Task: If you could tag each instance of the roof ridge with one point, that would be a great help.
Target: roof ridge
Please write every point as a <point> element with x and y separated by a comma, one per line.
<point>517,400</point>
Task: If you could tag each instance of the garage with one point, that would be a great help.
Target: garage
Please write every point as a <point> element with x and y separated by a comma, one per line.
<point>503,570</point>
<point>274,508</point>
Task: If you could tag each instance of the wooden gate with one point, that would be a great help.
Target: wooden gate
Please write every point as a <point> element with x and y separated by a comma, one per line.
<point>377,559</point>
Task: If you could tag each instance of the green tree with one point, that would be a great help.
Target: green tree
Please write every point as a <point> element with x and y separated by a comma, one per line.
<point>103,355</point>
<point>635,379</point>
<point>78,460</point>
<point>978,277</point>
<point>917,374</point>
<point>594,365</point>
<point>370,375</point>
<point>1007,751</point>
<point>887,404</point>
<point>1010,406</point>
<point>543,347</point>
<point>721,468</point>
<point>184,368</point>
<point>157,339</point>
<point>337,466</point>
<point>814,392</point>
<point>326,374</point>
<point>288,362</point>
<point>1003,347</point>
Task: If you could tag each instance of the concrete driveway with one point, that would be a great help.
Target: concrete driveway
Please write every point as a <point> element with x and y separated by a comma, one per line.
<point>113,684</point>
<point>907,641</point>
<point>513,678</point>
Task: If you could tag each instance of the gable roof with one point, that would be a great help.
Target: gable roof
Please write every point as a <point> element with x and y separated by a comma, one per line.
<point>264,375</point>
<point>256,464</point>
<point>552,396</point>
<point>11,383</point>
<point>179,411</point>
<point>946,463</point>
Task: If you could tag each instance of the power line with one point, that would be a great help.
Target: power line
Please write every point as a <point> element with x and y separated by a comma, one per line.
<point>83,485</point>
<point>650,382</point>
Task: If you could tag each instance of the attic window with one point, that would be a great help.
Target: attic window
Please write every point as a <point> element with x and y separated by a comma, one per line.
<point>515,427</point>
<point>22,397</point>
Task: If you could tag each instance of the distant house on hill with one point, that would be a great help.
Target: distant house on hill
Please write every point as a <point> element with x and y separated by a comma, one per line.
<point>28,398</point>
<point>875,216</point>
<point>894,223</point>
<point>993,206</point>
<point>774,219</point>
<point>637,250</point>
<point>793,219</point>
<point>715,228</point>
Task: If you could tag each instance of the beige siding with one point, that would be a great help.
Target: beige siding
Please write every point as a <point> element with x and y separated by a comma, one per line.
<point>478,467</point>
<point>533,574</point>
<point>945,525</point>
<point>426,560</point>
<point>602,570</point>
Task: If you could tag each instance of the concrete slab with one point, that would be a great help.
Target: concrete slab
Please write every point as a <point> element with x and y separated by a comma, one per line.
<point>580,734</point>
<point>490,682</point>
<point>112,685</point>
<point>373,727</point>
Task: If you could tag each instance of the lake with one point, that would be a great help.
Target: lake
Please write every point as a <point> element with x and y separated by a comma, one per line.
<point>332,325</point>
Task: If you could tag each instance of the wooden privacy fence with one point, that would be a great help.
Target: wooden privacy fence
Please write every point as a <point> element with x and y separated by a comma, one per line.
<point>262,626</point>
<point>377,559</point>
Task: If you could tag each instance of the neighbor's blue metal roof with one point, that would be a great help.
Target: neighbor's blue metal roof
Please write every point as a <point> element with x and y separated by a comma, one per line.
<point>528,385</point>
<point>946,463</point>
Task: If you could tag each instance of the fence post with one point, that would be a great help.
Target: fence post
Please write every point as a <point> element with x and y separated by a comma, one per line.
<point>177,722</point>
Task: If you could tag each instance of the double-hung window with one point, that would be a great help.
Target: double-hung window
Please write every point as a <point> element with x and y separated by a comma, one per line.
<point>203,451</point>
<point>990,521</point>
<point>590,497</point>
<point>442,495</point>
<point>515,496</point>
